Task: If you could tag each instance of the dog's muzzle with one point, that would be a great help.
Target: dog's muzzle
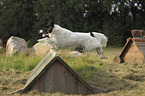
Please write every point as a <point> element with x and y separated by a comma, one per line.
<point>43,33</point>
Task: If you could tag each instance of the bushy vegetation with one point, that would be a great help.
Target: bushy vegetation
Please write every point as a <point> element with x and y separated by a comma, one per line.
<point>125,79</point>
<point>18,63</point>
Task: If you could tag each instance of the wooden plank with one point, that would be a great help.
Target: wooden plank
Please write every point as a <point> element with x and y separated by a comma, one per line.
<point>142,49</point>
<point>72,90</point>
<point>78,85</point>
<point>74,84</point>
<point>61,75</point>
<point>116,59</point>
<point>134,60</point>
<point>67,81</point>
<point>139,60</point>
<point>35,85</point>
<point>39,84</point>
<point>48,81</point>
<point>133,44</point>
<point>42,83</point>
<point>16,91</point>
<point>53,77</point>
<point>134,55</point>
<point>137,33</point>
<point>140,43</point>
<point>58,77</point>
<point>139,39</point>
<point>137,54</point>
<point>81,89</point>
<point>133,48</point>
<point>125,49</point>
<point>129,60</point>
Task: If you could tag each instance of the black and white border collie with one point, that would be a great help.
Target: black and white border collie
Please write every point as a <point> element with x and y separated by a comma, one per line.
<point>64,38</point>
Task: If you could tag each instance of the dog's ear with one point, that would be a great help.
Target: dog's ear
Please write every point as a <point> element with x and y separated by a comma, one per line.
<point>50,23</point>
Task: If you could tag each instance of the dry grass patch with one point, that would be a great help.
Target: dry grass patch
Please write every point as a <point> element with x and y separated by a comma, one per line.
<point>126,79</point>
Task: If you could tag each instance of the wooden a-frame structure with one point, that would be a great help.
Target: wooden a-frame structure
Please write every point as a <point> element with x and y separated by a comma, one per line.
<point>52,75</point>
<point>134,49</point>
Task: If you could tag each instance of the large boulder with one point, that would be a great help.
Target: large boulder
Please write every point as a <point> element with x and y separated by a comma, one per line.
<point>40,49</point>
<point>16,45</point>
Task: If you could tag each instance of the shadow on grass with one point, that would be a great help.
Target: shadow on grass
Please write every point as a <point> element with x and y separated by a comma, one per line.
<point>101,78</point>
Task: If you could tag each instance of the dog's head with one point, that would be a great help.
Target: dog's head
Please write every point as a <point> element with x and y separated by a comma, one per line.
<point>47,28</point>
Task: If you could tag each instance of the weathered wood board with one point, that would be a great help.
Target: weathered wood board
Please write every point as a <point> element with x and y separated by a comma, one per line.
<point>137,33</point>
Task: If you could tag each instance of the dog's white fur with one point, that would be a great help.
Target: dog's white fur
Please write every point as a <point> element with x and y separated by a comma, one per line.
<point>61,37</point>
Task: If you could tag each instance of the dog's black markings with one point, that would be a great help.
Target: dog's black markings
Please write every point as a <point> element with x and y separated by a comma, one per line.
<point>50,26</point>
<point>92,34</point>
<point>81,51</point>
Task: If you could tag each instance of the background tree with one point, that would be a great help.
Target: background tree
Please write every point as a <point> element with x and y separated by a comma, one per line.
<point>114,18</point>
<point>17,19</point>
<point>124,16</point>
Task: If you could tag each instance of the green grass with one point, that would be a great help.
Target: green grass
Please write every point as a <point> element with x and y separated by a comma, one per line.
<point>125,79</point>
<point>18,62</point>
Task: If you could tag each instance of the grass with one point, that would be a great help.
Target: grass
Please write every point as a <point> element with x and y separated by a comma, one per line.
<point>18,63</point>
<point>126,79</point>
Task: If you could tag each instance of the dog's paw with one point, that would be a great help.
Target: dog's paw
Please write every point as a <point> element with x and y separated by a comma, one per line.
<point>43,39</point>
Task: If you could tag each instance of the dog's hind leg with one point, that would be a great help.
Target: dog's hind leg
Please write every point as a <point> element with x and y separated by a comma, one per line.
<point>100,51</point>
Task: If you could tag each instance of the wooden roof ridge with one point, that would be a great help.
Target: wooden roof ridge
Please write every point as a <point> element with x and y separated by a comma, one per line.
<point>125,49</point>
<point>44,64</point>
<point>140,42</point>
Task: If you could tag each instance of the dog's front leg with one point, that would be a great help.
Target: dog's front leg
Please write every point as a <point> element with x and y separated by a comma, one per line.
<point>53,43</point>
<point>50,41</point>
